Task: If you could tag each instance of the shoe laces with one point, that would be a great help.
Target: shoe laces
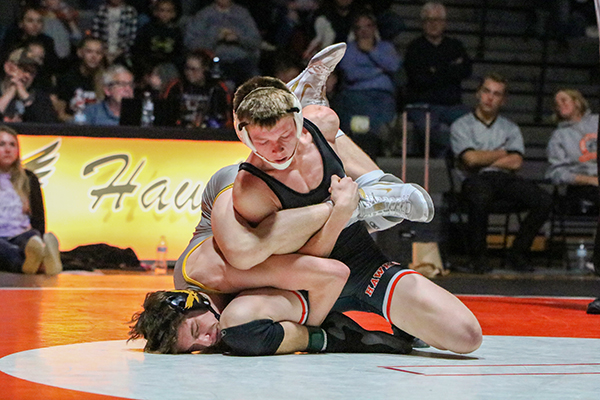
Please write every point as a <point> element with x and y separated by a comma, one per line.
<point>393,204</point>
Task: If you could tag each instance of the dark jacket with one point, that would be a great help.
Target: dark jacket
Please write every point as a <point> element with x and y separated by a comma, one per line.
<point>36,202</point>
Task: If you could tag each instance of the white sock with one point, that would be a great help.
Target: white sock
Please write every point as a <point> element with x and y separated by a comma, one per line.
<point>369,178</point>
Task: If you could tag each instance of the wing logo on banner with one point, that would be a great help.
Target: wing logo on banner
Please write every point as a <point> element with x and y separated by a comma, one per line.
<point>42,162</point>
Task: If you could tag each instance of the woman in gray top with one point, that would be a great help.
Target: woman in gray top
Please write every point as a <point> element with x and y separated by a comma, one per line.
<point>573,146</point>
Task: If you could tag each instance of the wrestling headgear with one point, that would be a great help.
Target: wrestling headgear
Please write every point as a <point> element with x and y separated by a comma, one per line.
<point>242,133</point>
<point>187,300</point>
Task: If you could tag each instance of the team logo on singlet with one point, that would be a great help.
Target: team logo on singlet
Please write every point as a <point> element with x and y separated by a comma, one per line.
<point>377,276</point>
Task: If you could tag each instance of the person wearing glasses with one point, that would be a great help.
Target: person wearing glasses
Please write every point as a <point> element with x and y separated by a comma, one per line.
<point>117,84</point>
<point>435,66</point>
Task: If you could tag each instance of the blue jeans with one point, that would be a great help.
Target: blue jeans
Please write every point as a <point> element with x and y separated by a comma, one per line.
<point>12,250</point>
<point>442,117</point>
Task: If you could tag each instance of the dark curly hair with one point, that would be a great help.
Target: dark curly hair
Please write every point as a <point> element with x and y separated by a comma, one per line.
<point>157,323</point>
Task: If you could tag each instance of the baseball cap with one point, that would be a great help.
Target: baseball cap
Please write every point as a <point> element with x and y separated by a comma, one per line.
<point>23,60</point>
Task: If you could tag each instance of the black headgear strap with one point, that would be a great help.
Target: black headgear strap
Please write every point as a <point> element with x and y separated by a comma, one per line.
<point>188,300</point>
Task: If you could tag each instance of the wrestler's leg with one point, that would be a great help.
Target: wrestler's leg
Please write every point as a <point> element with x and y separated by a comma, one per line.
<point>429,312</point>
<point>280,306</point>
<point>268,321</point>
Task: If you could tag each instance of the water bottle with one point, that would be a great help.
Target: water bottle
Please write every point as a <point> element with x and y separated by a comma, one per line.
<point>78,104</point>
<point>147,110</point>
<point>581,256</point>
<point>160,265</point>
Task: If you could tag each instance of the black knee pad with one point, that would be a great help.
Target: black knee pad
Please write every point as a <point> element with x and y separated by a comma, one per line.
<point>257,338</point>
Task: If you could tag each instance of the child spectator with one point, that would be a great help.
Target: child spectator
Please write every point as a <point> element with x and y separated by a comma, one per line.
<point>205,101</point>
<point>161,40</point>
<point>115,23</point>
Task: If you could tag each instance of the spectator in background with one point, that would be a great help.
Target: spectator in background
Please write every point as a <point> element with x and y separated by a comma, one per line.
<point>25,247</point>
<point>117,82</point>
<point>332,25</point>
<point>19,102</point>
<point>115,23</point>
<point>30,29</point>
<point>205,100</point>
<point>368,83</point>
<point>572,154</point>
<point>290,24</point>
<point>158,80</point>
<point>60,23</point>
<point>435,67</point>
<point>489,150</point>
<point>229,31</point>
<point>45,78</point>
<point>160,40</point>
<point>81,85</point>
<point>572,149</point>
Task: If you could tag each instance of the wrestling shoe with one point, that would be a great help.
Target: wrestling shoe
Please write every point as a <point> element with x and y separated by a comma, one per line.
<point>594,307</point>
<point>34,253</point>
<point>309,85</point>
<point>344,335</point>
<point>403,201</point>
<point>415,343</point>
<point>52,263</point>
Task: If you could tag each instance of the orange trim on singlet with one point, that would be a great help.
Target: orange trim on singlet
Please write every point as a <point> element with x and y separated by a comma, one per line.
<point>304,316</point>
<point>391,289</point>
<point>191,280</point>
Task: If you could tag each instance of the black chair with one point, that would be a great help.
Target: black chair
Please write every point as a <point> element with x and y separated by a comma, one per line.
<point>458,209</point>
<point>571,218</point>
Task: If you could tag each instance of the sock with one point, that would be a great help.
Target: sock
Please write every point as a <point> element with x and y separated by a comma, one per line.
<point>369,177</point>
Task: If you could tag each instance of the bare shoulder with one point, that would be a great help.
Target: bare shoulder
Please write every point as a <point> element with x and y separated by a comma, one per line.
<point>324,118</point>
<point>253,200</point>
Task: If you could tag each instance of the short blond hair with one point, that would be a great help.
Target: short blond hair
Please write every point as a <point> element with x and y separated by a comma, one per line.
<point>265,106</point>
<point>580,102</point>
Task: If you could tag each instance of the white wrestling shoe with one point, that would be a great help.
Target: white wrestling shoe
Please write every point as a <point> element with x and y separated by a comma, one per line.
<point>389,201</point>
<point>309,85</point>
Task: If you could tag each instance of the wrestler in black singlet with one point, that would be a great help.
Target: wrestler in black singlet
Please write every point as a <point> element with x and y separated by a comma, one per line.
<point>370,270</point>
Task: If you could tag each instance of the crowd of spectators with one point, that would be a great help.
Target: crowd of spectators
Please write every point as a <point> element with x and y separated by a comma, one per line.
<point>61,67</point>
<point>192,52</point>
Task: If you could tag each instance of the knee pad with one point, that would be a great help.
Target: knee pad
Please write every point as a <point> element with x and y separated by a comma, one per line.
<point>257,338</point>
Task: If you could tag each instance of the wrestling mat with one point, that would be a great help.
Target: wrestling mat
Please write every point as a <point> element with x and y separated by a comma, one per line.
<point>67,342</point>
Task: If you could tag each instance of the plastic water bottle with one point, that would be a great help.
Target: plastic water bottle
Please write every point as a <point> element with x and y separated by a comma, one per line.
<point>581,255</point>
<point>147,110</point>
<point>160,265</point>
<point>79,106</point>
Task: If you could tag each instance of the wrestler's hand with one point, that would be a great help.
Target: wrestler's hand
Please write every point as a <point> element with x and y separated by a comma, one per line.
<point>344,194</point>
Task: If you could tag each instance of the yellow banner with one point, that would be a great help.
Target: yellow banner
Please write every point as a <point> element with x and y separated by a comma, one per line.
<point>125,192</point>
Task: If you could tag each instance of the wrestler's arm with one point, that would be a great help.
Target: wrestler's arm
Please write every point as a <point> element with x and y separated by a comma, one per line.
<point>322,278</point>
<point>344,194</point>
<point>245,246</point>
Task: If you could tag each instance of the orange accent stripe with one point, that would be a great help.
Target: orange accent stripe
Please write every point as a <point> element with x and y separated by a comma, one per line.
<point>304,315</point>
<point>391,289</point>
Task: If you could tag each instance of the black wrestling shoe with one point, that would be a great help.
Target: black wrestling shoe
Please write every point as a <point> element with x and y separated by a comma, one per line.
<point>594,307</point>
<point>344,335</point>
<point>415,342</point>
